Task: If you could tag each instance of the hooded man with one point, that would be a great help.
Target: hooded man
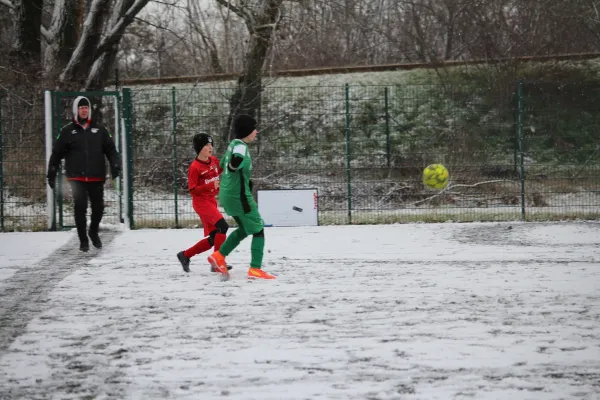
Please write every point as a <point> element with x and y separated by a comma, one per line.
<point>84,144</point>
<point>236,198</point>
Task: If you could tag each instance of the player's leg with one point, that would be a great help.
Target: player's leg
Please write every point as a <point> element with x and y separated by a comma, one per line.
<point>234,239</point>
<point>80,201</point>
<point>220,233</point>
<point>214,227</point>
<point>203,244</point>
<point>96,192</point>
<point>217,259</point>
<point>255,226</point>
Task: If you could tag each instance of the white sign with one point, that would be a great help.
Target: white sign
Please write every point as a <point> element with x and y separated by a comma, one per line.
<point>294,207</point>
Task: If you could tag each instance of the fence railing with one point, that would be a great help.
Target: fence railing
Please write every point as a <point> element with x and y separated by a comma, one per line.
<point>528,152</point>
<point>22,169</point>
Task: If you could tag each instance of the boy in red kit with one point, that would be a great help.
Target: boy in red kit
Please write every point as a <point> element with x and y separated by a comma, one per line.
<point>203,184</point>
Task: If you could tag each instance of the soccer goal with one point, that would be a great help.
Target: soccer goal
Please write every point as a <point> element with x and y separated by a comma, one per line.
<point>113,110</point>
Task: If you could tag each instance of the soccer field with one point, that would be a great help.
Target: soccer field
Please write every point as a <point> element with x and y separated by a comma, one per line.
<point>415,311</point>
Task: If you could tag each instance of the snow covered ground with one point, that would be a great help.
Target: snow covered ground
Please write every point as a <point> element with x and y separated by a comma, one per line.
<point>416,311</point>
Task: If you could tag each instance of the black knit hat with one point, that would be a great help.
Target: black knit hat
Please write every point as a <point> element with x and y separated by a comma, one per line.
<point>243,126</point>
<point>83,102</point>
<point>201,140</point>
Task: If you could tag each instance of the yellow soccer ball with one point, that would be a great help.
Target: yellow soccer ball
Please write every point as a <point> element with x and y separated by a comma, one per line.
<point>435,176</point>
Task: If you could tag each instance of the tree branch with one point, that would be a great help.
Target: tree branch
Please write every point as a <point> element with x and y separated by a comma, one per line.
<point>45,34</point>
<point>240,12</point>
<point>164,28</point>
<point>88,36</point>
<point>58,17</point>
<point>117,31</point>
<point>7,3</point>
<point>7,90</point>
<point>451,186</point>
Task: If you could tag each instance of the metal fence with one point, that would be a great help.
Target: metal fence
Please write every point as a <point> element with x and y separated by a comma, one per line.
<point>529,151</point>
<point>22,169</point>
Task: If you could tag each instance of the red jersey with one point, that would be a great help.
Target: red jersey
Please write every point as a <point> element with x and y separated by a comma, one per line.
<point>202,176</point>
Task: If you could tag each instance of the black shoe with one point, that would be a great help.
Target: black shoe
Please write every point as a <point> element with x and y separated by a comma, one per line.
<point>95,239</point>
<point>185,262</point>
<point>84,246</point>
<point>212,269</point>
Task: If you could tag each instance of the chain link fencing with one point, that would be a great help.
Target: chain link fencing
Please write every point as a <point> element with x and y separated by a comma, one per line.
<point>528,151</point>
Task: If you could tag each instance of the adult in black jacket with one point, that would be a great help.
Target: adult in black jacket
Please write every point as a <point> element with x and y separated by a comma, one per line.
<point>83,144</point>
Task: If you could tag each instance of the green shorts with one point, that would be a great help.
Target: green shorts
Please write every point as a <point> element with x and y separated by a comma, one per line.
<point>250,222</point>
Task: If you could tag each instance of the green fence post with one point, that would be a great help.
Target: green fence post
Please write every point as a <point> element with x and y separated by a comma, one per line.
<point>1,171</point>
<point>49,132</point>
<point>348,151</point>
<point>515,116</point>
<point>387,126</point>
<point>119,132</point>
<point>128,118</point>
<point>521,144</point>
<point>174,132</point>
<point>58,193</point>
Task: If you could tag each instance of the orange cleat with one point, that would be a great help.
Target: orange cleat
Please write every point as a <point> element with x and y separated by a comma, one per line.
<point>217,261</point>
<point>257,273</point>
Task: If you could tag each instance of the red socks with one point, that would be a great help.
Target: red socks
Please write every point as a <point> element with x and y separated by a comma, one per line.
<point>204,245</point>
<point>219,239</point>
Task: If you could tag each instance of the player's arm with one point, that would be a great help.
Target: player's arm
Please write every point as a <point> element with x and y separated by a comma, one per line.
<point>59,151</point>
<point>110,150</point>
<point>237,157</point>
<point>235,162</point>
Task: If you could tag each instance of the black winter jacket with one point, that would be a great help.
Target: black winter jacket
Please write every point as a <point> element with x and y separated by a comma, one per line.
<point>84,151</point>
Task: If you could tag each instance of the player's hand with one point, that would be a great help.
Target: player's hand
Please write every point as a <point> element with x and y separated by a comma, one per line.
<point>217,184</point>
<point>115,171</point>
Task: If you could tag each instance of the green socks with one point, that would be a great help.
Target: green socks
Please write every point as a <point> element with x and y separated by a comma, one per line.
<point>257,250</point>
<point>257,246</point>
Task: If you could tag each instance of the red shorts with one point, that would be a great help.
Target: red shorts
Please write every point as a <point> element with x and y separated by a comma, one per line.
<point>208,212</point>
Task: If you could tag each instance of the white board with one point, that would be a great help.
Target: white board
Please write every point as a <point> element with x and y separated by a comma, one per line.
<point>290,207</point>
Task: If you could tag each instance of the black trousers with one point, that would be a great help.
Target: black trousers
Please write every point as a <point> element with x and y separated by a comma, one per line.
<point>81,192</point>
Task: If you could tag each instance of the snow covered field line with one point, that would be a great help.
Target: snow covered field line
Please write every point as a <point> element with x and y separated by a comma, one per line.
<point>25,294</point>
<point>391,312</point>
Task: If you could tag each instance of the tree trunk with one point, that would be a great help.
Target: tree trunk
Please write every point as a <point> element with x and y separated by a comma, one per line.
<point>26,46</point>
<point>101,70</point>
<point>247,97</point>
<point>63,35</point>
<point>84,55</point>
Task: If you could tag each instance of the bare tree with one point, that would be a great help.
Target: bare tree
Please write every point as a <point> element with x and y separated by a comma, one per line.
<point>261,20</point>
<point>77,47</point>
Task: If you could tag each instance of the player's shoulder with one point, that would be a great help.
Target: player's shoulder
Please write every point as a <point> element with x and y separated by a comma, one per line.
<point>214,160</point>
<point>195,164</point>
<point>98,125</point>
<point>239,147</point>
<point>68,126</point>
<point>237,142</point>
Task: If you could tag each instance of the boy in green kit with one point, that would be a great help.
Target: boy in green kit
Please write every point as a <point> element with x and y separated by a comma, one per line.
<point>236,198</point>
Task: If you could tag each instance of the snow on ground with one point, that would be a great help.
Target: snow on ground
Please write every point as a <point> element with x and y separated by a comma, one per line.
<point>24,249</point>
<point>416,311</point>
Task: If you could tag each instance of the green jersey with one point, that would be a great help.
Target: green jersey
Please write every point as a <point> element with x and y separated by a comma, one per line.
<point>234,192</point>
